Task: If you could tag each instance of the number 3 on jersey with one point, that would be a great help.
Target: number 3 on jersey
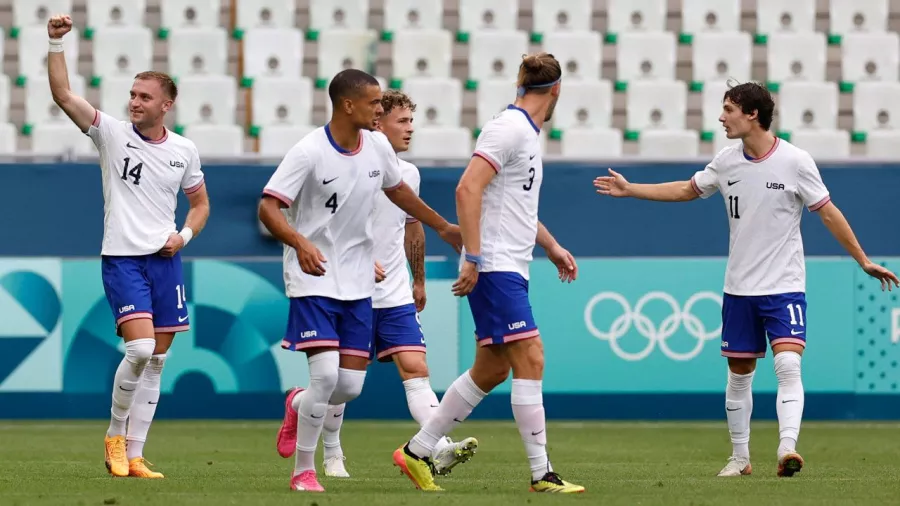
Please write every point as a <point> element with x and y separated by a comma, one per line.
<point>527,187</point>
<point>331,203</point>
<point>135,171</point>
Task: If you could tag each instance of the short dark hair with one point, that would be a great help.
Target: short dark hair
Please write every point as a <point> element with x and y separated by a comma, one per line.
<point>396,99</point>
<point>349,83</point>
<point>164,80</point>
<point>753,97</point>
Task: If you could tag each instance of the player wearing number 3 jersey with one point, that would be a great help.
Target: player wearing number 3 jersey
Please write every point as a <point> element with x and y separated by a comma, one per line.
<point>143,166</point>
<point>765,182</point>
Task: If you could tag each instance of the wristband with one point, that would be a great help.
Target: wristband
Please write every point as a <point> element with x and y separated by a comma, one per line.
<point>56,46</point>
<point>475,259</point>
<point>187,234</point>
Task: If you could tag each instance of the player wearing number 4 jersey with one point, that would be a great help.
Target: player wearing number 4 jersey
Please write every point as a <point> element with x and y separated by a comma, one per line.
<point>765,182</point>
<point>143,166</point>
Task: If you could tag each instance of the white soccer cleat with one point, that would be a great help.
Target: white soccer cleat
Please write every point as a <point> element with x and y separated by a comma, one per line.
<point>737,466</point>
<point>334,467</point>
<point>453,454</point>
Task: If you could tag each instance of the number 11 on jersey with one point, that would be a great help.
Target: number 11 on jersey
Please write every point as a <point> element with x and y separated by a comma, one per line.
<point>734,209</point>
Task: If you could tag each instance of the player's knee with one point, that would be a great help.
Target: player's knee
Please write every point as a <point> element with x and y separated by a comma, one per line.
<point>411,365</point>
<point>323,374</point>
<point>139,351</point>
<point>527,359</point>
<point>349,386</point>
<point>741,366</point>
<point>787,366</point>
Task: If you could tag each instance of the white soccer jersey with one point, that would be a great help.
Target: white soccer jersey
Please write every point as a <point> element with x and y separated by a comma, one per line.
<point>510,142</point>
<point>141,179</point>
<point>330,194</point>
<point>389,229</point>
<point>764,199</point>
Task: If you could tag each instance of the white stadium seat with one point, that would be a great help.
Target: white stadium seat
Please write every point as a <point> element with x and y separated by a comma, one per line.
<point>115,93</point>
<point>800,56</point>
<point>216,140</point>
<point>441,143</point>
<point>338,14</point>
<point>636,15</point>
<point>60,138</point>
<point>585,104</point>
<point>591,143</point>
<point>488,15</point>
<point>493,96</point>
<point>823,145</point>
<point>198,51</point>
<point>857,16</point>
<point>780,16</point>
<point>189,13</point>
<point>8,138</point>
<point>273,52</point>
<point>722,56</point>
<point>206,99</point>
<point>33,51</point>
<point>122,51</point>
<point>4,98</point>
<point>276,140</point>
<point>656,104</point>
<point>807,105</point>
<point>39,104</point>
<point>496,54</point>
<point>103,13</point>
<point>438,101</point>
<point>883,144</point>
<point>579,53</point>
<point>876,106</point>
<point>37,12</point>
<point>721,141</point>
<point>719,16</point>
<point>711,98</point>
<point>266,13</point>
<point>870,57</point>
<point>669,144</point>
<point>343,49</point>
<point>646,56</point>
<point>423,53</point>
<point>282,101</point>
<point>413,15</point>
<point>556,16</point>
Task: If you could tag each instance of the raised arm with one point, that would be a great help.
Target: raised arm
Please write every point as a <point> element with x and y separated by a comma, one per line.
<point>79,110</point>
<point>615,185</point>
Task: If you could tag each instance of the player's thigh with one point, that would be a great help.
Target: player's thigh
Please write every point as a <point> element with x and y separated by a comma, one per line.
<point>785,321</point>
<point>526,357</point>
<point>312,325</point>
<point>397,330</point>
<point>168,292</point>
<point>743,333</point>
<point>411,364</point>
<point>128,293</point>
<point>354,330</point>
<point>491,367</point>
<point>501,309</point>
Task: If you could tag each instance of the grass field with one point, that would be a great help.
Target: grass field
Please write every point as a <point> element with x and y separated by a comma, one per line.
<point>219,463</point>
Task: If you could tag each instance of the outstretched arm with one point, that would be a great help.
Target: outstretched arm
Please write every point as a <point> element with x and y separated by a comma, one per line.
<point>405,198</point>
<point>616,185</point>
<point>837,224</point>
<point>79,110</point>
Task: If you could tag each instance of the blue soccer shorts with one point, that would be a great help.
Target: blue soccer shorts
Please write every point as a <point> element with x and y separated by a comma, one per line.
<point>146,286</point>
<point>501,310</point>
<point>748,322</point>
<point>397,329</point>
<point>322,322</point>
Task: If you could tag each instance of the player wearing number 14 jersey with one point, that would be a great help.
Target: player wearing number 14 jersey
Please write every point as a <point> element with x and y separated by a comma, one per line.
<point>765,182</point>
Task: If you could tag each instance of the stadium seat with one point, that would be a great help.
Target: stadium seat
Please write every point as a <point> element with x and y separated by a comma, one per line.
<point>206,99</point>
<point>39,105</point>
<point>823,145</point>
<point>413,15</point>
<point>276,140</point>
<point>807,105</point>
<point>104,13</point>
<point>8,138</point>
<point>60,138</point>
<point>856,16</point>
<point>635,16</point>
<point>712,97</point>
<point>273,52</point>
<point>284,101</point>
<point>554,16</point>
<point>669,144</point>
<point>591,143</point>
<point>216,140</point>
<point>876,106</point>
<point>198,51</point>
<point>115,93</point>
<point>423,53</point>
<point>646,56</point>
<point>493,96</point>
<point>122,51</point>
<point>585,104</point>
<point>496,54</point>
<point>656,104</point>
<point>579,53</point>
<point>441,143</point>
<point>33,51</point>
<point>189,13</point>
<point>438,101</point>
<point>4,98</point>
<point>883,144</point>
<point>475,15</point>
<point>722,56</point>
<point>796,56</point>
<point>719,16</point>
<point>721,141</point>
<point>780,16</point>
<point>338,14</point>
<point>27,13</point>
<point>870,57</point>
<point>269,13</point>
<point>343,49</point>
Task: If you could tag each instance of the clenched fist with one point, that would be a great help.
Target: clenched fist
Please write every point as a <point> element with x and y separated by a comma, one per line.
<point>59,26</point>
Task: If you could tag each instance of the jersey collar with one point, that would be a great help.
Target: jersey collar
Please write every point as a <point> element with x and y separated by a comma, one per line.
<point>148,140</point>
<point>765,156</point>
<point>337,147</point>
<point>527,116</point>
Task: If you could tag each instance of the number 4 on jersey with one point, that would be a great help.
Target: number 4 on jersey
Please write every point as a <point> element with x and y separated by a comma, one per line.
<point>135,172</point>
<point>332,203</point>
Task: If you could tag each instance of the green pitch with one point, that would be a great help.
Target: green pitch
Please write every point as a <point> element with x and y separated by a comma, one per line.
<point>223,463</point>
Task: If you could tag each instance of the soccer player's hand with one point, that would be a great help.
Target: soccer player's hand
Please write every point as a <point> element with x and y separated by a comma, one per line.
<point>565,263</point>
<point>59,26</point>
<point>614,185</point>
<point>452,236</point>
<point>310,258</point>
<point>380,274</point>
<point>468,276</point>
<point>173,244</point>
<point>419,296</point>
<point>882,274</point>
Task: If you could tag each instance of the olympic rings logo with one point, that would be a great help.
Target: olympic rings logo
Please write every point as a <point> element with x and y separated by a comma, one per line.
<point>648,329</point>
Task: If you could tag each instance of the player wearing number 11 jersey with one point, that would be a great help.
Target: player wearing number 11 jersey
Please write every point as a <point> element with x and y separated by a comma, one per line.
<point>765,182</point>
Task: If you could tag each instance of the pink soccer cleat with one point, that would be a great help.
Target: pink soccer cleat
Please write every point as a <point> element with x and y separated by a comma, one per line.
<point>287,434</point>
<point>306,482</point>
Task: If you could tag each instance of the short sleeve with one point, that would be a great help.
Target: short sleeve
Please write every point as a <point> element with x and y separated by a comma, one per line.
<point>100,128</point>
<point>812,190</point>
<point>392,176</point>
<point>706,182</point>
<point>286,182</point>
<point>414,180</point>
<point>193,174</point>
<point>494,145</point>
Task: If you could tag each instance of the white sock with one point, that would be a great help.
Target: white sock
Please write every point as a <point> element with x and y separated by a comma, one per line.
<point>144,407</point>
<point>789,401</point>
<point>458,403</point>
<point>528,410</point>
<point>331,431</point>
<point>423,403</point>
<point>738,408</point>
<point>323,377</point>
<point>125,384</point>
